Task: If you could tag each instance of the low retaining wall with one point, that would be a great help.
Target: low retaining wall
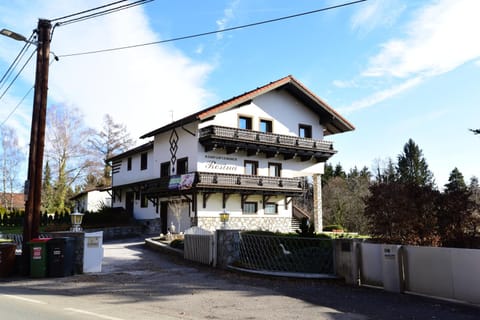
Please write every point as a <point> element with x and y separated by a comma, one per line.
<point>446,273</point>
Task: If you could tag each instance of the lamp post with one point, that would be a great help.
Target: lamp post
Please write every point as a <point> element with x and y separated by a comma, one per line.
<point>33,185</point>
<point>224,216</point>
<point>76,220</point>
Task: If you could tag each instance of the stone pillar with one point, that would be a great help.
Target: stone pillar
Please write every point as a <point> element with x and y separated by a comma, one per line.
<point>317,203</point>
<point>228,247</point>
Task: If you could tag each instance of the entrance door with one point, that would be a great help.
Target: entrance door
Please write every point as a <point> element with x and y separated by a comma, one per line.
<point>164,217</point>
<point>129,198</point>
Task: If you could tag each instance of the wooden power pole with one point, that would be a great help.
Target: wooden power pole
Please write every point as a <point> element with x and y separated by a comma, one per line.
<point>33,185</point>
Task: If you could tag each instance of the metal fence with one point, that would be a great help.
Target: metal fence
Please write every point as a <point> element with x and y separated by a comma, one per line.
<point>286,254</point>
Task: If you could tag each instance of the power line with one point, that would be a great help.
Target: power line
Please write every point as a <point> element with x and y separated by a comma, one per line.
<point>16,60</point>
<point>86,11</point>
<point>23,98</point>
<point>16,76</point>
<point>16,107</point>
<point>213,32</point>
<point>105,12</point>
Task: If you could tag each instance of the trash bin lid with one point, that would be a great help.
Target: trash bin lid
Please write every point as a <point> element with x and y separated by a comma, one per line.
<point>39,240</point>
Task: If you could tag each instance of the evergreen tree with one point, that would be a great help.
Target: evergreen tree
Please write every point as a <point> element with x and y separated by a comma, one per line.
<point>327,174</point>
<point>47,188</point>
<point>338,172</point>
<point>455,182</point>
<point>412,167</point>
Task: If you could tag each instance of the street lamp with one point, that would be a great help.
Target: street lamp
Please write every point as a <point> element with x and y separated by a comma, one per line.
<point>13,35</point>
<point>224,216</point>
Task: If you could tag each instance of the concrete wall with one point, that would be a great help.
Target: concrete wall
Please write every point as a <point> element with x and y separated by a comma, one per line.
<point>448,273</point>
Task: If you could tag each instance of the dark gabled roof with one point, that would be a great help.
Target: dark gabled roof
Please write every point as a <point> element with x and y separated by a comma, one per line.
<point>141,148</point>
<point>78,195</point>
<point>330,119</point>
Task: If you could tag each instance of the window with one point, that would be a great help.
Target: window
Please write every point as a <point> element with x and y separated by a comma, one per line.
<point>250,208</point>
<point>245,123</point>
<point>129,164</point>
<point>271,208</point>
<point>251,167</point>
<point>143,161</point>
<point>165,169</point>
<point>304,131</point>
<point>182,166</point>
<point>266,126</point>
<point>144,202</point>
<point>274,169</point>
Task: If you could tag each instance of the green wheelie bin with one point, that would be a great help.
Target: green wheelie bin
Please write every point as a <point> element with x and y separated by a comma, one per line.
<point>38,257</point>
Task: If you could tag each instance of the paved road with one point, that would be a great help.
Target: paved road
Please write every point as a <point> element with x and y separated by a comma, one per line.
<point>137,283</point>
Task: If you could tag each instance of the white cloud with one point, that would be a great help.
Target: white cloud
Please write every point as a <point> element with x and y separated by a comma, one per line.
<point>228,14</point>
<point>441,37</point>
<point>380,96</point>
<point>377,13</point>
<point>138,87</point>
<point>344,83</point>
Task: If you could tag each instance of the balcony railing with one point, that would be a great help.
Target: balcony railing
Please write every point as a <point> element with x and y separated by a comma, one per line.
<point>232,181</point>
<point>263,138</point>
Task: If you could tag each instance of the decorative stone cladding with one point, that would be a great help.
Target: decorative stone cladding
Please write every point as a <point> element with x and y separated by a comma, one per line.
<point>274,224</point>
<point>228,247</point>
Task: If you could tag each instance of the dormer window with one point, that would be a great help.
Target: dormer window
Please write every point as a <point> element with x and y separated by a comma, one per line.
<point>245,123</point>
<point>304,131</point>
<point>266,126</point>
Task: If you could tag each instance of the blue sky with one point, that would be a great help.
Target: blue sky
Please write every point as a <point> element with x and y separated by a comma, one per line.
<point>395,69</point>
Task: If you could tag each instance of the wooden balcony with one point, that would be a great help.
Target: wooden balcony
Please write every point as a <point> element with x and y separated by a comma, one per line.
<point>242,183</point>
<point>227,183</point>
<point>272,145</point>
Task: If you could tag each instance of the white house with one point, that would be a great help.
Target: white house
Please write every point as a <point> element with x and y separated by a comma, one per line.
<point>248,156</point>
<point>92,200</point>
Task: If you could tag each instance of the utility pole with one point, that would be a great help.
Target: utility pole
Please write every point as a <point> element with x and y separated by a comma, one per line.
<point>33,185</point>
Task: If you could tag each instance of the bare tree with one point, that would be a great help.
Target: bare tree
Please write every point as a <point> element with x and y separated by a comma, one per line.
<point>11,159</point>
<point>177,205</point>
<point>111,140</point>
<point>66,150</point>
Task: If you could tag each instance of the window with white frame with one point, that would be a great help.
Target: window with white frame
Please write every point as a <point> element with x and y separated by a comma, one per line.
<point>250,207</point>
<point>271,208</point>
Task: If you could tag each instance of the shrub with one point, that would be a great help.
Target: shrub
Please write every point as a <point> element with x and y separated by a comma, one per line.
<point>332,227</point>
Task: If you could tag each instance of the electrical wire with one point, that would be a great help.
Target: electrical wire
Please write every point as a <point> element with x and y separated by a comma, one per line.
<point>16,76</point>
<point>213,32</point>
<point>86,11</point>
<point>16,107</point>
<point>16,61</point>
<point>25,96</point>
<point>102,13</point>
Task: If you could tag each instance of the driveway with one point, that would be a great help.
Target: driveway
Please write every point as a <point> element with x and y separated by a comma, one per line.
<point>139,283</point>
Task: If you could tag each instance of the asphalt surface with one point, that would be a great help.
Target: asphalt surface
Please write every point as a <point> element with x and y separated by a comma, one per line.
<point>137,282</point>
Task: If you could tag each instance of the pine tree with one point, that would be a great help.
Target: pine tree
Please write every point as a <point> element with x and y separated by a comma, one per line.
<point>412,167</point>
<point>456,182</point>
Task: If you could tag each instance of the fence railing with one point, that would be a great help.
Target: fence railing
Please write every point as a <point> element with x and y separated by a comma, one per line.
<point>199,245</point>
<point>266,138</point>
<point>248,181</point>
<point>286,254</point>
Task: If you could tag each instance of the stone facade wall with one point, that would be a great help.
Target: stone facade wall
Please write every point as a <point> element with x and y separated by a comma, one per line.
<point>275,224</point>
<point>228,247</point>
<point>120,232</point>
